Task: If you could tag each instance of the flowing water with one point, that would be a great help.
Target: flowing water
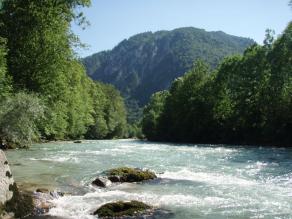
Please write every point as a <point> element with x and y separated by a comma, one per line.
<point>195,181</point>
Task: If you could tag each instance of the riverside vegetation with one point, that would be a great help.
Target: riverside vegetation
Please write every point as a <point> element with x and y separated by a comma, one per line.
<point>247,99</point>
<point>44,90</point>
<point>46,94</point>
<point>40,72</point>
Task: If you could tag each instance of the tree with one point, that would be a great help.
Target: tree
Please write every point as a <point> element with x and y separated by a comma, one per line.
<point>109,113</point>
<point>98,129</point>
<point>243,83</point>
<point>186,108</point>
<point>152,113</point>
<point>280,89</point>
<point>115,113</point>
<point>40,59</point>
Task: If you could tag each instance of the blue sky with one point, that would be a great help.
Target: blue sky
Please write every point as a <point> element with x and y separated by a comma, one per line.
<point>115,20</point>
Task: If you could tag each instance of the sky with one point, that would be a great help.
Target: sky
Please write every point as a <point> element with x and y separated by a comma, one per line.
<point>112,21</point>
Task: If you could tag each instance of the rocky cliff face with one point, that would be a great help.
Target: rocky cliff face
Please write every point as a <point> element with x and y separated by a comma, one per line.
<point>6,182</point>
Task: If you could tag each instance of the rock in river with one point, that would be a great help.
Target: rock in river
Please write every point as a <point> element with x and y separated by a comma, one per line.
<point>131,210</point>
<point>102,182</point>
<point>43,200</point>
<point>124,174</point>
<point>122,209</point>
<point>12,201</point>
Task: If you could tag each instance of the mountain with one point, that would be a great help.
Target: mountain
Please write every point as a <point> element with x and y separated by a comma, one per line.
<point>149,62</point>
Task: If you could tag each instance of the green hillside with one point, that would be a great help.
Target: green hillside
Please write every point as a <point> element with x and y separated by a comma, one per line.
<point>149,62</point>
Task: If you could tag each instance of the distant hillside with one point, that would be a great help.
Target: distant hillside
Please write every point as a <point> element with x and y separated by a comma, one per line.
<point>149,62</point>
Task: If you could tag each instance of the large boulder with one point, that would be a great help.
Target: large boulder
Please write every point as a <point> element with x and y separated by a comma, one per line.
<point>6,182</point>
<point>21,204</point>
<point>122,175</point>
<point>6,179</point>
<point>12,201</point>
<point>126,174</point>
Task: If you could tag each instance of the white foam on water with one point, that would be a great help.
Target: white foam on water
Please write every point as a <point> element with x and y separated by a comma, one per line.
<point>152,148</point>
<point>127,146</point>
<point>72,207</point>
<point>84,206</point>
<point>231,182</point>
<point>255,168</point>
<point>57,159</point>
<point>211,178</point>
<point>118,151</point>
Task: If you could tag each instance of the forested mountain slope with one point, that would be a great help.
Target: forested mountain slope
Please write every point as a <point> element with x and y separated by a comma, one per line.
<point>149,62</point>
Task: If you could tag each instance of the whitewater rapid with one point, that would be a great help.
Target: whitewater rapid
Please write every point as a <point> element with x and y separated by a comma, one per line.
<point>194,181</point>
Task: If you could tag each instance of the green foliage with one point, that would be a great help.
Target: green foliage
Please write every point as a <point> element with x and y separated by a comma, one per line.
<point>40,59</point>
<point>134,111</point>
<point>135,131</point>
<point>246,100</point>
<point>109,113</point>
<point>149,62</point>
<point>115,113</point>
<point>19,115</point>
<point>5,81</point>
<point>151,114</point>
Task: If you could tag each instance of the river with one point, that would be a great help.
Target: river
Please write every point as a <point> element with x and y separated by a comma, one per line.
<point>195,181</point>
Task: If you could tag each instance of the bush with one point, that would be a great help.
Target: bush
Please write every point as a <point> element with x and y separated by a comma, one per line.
<point>19,116</point>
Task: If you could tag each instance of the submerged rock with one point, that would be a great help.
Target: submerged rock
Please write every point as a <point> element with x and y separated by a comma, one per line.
<point>122,209</point>
<point>114,179</point>
<point>3,146</point>
<point>43,200</point>
<point>102,182</point>
<point>78,142</point>
<point>42,190</point>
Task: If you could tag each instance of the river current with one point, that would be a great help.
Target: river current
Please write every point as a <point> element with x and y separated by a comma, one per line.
<point>195,181</point>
